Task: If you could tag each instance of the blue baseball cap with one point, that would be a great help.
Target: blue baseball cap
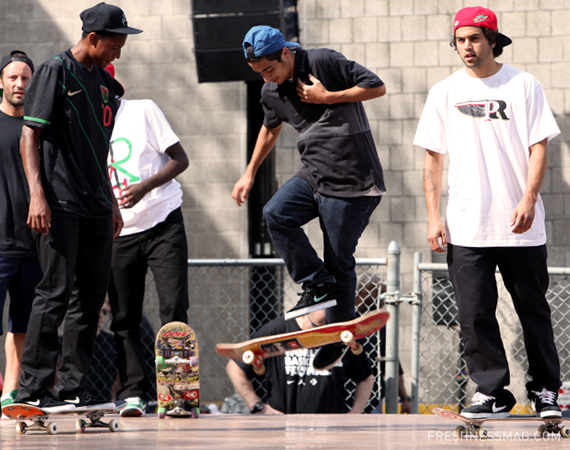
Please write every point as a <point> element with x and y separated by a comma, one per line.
<point>263,40</point>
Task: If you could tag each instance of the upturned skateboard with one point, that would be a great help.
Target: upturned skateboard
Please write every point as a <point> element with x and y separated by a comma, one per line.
<point>474,427</point>
<point>40,418</point>
<point>177,371</point>
<point>256,350</point>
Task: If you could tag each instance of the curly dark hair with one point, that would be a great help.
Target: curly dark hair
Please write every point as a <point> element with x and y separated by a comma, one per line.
<point>492,37</point>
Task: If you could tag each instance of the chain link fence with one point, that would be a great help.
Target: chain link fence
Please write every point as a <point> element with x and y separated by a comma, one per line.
<point>443,378</point>
<point>229,301</point>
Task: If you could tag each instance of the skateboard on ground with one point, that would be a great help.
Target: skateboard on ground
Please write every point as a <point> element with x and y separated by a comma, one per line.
<point>474,427</point>
<point>256,350</point>
<point>40,418</point>
<point>177,371</point>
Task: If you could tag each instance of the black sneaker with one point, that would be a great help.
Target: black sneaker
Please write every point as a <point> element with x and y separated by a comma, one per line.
<point>85,400</point>
<point>328,355</point>
<point>545,403</point>
<point>312,299</point>
<point>488,406</point>
<point>46,401</point>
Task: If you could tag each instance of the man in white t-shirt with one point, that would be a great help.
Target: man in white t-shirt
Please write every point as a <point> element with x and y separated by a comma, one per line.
<point>495,123</point>
<point>144,158</point>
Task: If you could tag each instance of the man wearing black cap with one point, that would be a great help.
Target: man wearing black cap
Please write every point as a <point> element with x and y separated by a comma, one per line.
<point>320,93</point>
<point>20,269</point>
<point>495,123</point>
<point>68,121</point>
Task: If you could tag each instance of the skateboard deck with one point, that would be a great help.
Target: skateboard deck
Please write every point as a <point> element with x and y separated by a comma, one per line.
<point>177,371</point>
<point>40,418</point>
<point>475,426</point>
<point>256,350</point>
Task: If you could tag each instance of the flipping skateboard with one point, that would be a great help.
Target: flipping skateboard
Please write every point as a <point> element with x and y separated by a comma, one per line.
<point>474,427</point>
<point>256,350</point>
<point>40,418</point>
<point>177,371</point>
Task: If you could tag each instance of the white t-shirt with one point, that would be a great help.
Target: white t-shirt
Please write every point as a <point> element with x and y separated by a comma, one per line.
<point>140,138</point>
<point>487,125</point>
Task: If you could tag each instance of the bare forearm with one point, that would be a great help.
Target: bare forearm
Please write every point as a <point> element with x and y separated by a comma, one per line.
<point>537,165</point>
<point>265,142</point>
<point>355,94</point>
<point>362,395</point>
<point>433,175</point>
<point>177,164</point>
<point>30,153</point>
<point>242,384</point>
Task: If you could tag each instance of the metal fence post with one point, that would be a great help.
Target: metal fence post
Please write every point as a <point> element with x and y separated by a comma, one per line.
<point>416,326</point>
<point>392,300</point>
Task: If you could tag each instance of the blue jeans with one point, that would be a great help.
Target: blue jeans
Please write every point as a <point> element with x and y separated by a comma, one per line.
<point>342,222</point>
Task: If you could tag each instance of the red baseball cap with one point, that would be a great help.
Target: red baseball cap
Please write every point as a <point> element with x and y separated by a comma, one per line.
<point>477,16</point>
<point>111,69</point>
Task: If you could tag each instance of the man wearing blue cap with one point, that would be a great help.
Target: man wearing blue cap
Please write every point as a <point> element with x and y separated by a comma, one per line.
<point>20,269</point>
<point>320,93</point>
<point>68,121</point>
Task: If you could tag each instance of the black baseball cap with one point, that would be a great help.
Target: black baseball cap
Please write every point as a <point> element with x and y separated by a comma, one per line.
<point>103,17</point>
<point>16,55</point>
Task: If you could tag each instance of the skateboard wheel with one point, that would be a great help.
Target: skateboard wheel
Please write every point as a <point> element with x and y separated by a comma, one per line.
<point>259,370</point>
<point>159,361</point>
<point>347,337</point>
<point>21,427</point>
<point>80,425</point>
<point>161,413</point>
<point>194,361</point>
<point>460,431</point>
<point>565,432</point>
<point>52,428</point>
<point>195,413</point>
<point>113,425</point>
<point>248,357</point>
<point>358,350</point>
<point>541,429</point>
<point>482,433</point>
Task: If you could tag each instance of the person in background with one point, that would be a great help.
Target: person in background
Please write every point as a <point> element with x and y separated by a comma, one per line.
<point>20,269</point>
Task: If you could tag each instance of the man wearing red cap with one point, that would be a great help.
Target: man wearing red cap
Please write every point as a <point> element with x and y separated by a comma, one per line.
<point>495,123</point>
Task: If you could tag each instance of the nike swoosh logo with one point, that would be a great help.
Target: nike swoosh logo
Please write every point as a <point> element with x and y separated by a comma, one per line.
<point>75,400</point>
<point>36,403</point>
<point>495,409</point>
<point>318,299</point>
<point>71,94</point>
<point>290,381</point>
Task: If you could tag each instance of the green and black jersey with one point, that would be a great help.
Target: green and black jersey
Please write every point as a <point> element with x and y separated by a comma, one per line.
<point>75,107</point>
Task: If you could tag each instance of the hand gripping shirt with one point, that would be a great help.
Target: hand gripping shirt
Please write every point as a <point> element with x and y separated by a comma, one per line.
<point>487,126</point>
<point>335,142</point>
<point>75,107</point>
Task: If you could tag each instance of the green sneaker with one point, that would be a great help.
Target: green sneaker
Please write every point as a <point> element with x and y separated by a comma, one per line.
<point>8,399</point>
<point>136,407</point>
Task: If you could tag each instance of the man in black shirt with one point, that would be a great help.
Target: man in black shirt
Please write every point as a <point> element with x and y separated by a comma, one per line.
<point>320,93</point>
<point>294,385</point>
<point>68,121</point>
<point>20,269</point>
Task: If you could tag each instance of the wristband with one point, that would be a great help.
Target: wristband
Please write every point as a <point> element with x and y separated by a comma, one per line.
<point>407,397</point>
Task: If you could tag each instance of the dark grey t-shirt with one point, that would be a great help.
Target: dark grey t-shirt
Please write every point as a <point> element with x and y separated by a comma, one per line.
<point>335,142</point>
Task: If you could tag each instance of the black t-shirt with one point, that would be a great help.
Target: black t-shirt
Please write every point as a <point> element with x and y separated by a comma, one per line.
<point>15,236</point>
<point>295,387</point>
<point>335,141</point>
<point>76,109</point>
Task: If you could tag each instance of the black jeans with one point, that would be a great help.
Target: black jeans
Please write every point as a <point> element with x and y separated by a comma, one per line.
<point>164,249</point>
<point>75,257</point>
<point>525,275</point>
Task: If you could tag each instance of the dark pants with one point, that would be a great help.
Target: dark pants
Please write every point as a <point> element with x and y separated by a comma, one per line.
<point>342,222</point>
<point>19,277</point>
<point>525,275</point>
<point>163,248</point>
<point>75,257</point>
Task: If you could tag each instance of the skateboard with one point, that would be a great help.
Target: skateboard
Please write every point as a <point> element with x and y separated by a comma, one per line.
<point>40,418</point>
<point>177,371</point>
<point>474,427</point>
<point>256,350</point>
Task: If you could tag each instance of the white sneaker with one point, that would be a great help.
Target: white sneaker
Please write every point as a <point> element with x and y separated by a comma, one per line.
<point>135,407</point>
